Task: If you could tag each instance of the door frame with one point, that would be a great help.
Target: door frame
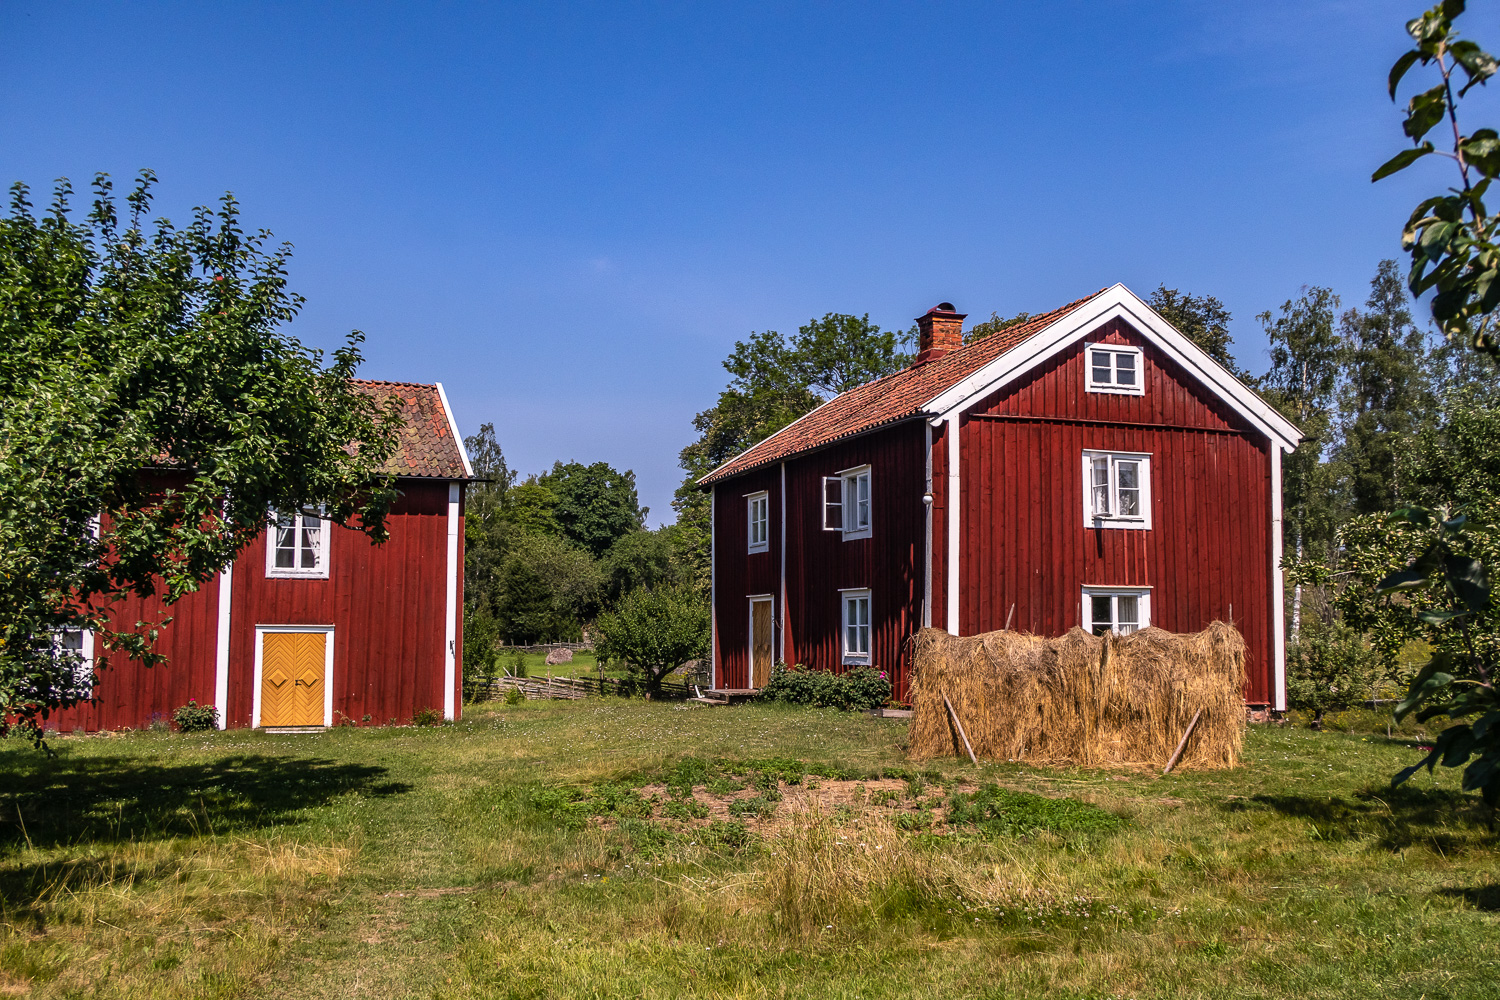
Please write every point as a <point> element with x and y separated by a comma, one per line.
<point>260,633</point>
<point>753,600</point>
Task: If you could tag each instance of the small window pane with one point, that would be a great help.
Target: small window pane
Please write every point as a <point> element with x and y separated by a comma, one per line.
<point>1103,373</point>
<point>1130,615</point>
<point>1125,368</point>
<point>71,640</point>
<point>1101,613</point>
<point>1128,475</point>
<point>1100,484</point>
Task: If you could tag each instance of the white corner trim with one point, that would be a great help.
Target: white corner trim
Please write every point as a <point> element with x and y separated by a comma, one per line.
<point>713,588</point>
<point>221,645</point>
<point>450,647</point>
<point>955,504</point>
<point>927,516</point>
<point>463,452</point>
<point>1117,302</point>
<point>785,617</point>
<point>1278,588</point>
<point>260,634</point>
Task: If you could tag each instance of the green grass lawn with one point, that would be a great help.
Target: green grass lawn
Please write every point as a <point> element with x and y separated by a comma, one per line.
<point>609,848</point>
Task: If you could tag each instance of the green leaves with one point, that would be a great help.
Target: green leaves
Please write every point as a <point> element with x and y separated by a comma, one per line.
<point>1402,160</point>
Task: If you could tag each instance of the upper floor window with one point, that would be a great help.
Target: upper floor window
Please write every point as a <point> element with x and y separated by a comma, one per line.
<point>1121,611</point>
<point>298,545</point>
<point>1116,489</point>
<point>1114,368</point>
<point>77,645</point>
<point>846,503</point>
<point>856,626</point>
<point>758,507</point>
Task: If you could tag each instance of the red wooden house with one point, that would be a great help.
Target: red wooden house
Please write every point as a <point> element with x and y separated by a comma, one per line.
<point>1090,467</point>
<point>313,624</point>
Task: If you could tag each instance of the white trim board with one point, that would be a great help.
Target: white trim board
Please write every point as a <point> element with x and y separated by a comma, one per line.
<point>463,452</point>
<point>1117,302</point>
<point>260,632</point>
<point>221,644</point>
<point>451,609</point>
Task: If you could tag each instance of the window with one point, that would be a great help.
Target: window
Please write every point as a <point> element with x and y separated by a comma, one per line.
<point>298,545</point>
<point>1116,490</point>
<point>846,503</point>
<point>78,645</point>
<point>856,626</point>
<point>1115,369</point>
<point>1120,611</point>
<point>759,510</point>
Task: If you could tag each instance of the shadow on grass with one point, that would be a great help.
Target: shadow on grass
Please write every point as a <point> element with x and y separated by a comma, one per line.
<point>1481,897</point>
<point>49,802</point>
<point>1394,818</point>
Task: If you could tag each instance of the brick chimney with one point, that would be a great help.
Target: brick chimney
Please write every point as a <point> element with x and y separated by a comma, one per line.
<point>941,331</point>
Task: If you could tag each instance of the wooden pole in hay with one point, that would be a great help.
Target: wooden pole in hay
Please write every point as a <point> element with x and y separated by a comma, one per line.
<point>1177,754</point>
<point>960,727</point>
<point>1008,615</point>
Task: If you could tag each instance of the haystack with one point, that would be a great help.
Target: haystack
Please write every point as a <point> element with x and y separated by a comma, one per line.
<point>1080,698</point>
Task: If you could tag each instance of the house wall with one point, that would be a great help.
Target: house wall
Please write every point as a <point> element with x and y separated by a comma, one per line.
<point>821,563</point>
<point>387,604</point>
<point>1022,530</point>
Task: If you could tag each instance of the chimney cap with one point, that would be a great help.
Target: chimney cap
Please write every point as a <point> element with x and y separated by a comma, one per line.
<point>945,307</point>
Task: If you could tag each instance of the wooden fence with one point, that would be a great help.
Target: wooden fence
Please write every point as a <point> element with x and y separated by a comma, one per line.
<point>576,687</point>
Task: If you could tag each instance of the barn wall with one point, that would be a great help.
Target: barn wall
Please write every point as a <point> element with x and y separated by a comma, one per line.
<point>387,604</point>
<point>1024,540</point>
<point>739,573</point>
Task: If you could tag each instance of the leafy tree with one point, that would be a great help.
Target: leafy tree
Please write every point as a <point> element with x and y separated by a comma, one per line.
<point>596,505</point>
<point>643,559</point>
<point>1328,667</point>
<point>531,507</point>
<point>1452,242</point>
<point>838,352</point>
<point>488,527</point>
<point>1385,392</point>
<point>481,632</point>
<point>1305,357</point>
<point>655,632</point>
<point>132,345</point>
<point>993,325</point>
<point>1202,319</point>
<point>548,587</point>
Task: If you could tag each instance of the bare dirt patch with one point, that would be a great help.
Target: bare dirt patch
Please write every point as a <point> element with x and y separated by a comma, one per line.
<point>890,797</point>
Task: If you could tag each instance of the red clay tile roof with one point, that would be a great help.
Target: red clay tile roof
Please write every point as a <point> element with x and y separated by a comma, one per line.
<point>895,397</point>
<point>426,448</point>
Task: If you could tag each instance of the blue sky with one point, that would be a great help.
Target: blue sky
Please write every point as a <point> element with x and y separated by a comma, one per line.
<point>568,214</point>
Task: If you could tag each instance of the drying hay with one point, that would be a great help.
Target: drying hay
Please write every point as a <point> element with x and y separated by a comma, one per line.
<point>1080,698</point>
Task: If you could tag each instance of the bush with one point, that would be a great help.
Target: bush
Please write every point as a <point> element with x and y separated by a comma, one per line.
<point>427,717</point>
<point>513,696</point>
<point>860,688</point>
<point>196,718</point>
<point>1329,667</point>
<point>480,669</point>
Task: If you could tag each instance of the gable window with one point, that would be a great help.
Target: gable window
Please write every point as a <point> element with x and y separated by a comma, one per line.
<point>846,503</point>
<point>1116,369</point>
<point>1116,489</point>
<point>758,508</point>
<point>1122,611</point>
<point>856,626</point>
<point>298,546</point>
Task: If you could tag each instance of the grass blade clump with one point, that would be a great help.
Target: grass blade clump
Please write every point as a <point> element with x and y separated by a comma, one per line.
<point>1000,812</point>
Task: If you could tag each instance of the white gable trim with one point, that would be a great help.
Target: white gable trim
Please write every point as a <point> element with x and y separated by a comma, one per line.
<point>1117,302</point>
<point>463,452</point>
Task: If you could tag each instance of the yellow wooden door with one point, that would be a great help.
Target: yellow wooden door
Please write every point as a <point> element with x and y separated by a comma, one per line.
<point>291,686</point>
<point>760,643</point>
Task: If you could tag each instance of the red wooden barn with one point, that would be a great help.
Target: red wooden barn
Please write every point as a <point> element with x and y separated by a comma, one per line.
<point>1089,467</point>
<point>313,624</point>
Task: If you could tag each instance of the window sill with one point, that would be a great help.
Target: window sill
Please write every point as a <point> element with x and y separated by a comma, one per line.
<point>850,536</point>
<point>290,574</point>
<point>1128,523</point>
<point>856,660</point>
<point>752,550</point>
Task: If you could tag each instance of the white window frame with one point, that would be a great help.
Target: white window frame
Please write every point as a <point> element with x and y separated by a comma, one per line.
<point>1113,386</point>
<point>849,506</point>
<point>1092,519</point>
<point>83,670</point>
<point>850,598</point>
<point>763,522</point>
<point>325,540</point>
<point>1143,606</point>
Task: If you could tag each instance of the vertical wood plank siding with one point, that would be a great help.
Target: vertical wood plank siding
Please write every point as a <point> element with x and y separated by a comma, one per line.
<point>1023,535</point>
<point>821,563</point>
<point>387,604</point>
